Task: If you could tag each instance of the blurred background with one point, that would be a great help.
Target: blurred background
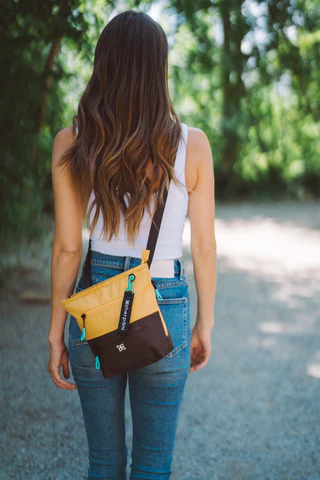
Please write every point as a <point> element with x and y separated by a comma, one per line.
<point>247,73</point>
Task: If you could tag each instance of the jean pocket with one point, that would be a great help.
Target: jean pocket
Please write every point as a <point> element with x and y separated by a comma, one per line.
<point>100,273</point>
<point>175,315</point>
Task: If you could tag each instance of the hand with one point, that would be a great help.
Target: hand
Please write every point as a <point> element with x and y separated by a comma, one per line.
<point>59,357</point>
<point>200,346</point>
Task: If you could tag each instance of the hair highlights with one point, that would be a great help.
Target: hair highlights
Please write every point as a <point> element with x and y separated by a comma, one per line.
<point>128,130</point>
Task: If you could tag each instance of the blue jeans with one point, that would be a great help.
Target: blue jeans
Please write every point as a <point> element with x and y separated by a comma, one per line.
<point>156,391</point>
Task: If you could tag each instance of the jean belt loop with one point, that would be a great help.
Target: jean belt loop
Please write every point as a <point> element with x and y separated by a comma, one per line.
<point>181,268</point>
<point>127,261</point>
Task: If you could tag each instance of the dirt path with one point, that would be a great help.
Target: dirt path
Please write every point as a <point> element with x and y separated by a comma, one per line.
<point>251,414</point>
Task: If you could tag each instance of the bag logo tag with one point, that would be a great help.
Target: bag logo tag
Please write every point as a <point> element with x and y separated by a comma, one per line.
<point>126,307</point>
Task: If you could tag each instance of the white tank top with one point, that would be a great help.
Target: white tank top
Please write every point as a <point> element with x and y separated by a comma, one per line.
<point>169,243</point>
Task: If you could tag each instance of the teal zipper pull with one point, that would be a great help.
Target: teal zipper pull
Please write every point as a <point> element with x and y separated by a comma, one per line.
<point>158,294</point>
<point>83,333</point>
<point>131,279</point>
<point>97,363</point>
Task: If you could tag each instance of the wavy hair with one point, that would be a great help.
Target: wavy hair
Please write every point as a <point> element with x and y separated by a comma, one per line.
<point>128,130</point>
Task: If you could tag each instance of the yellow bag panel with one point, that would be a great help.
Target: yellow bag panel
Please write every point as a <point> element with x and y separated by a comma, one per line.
<point>102,302</point>
<point>163,323</point>
<point>106,320</point>
<point>106,291</point>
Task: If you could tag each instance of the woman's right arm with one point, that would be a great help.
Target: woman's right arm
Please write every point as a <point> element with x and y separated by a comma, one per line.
<point>201,212</point>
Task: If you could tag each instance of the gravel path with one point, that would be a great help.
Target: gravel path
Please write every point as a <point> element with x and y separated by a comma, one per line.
<point>253,413</point>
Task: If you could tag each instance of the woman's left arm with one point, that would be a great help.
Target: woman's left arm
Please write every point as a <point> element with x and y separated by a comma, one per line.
<point>66,256</point>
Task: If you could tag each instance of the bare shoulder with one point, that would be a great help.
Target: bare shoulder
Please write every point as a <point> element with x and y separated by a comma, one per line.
<point>62,141</point>
<point>199,156</point>
<point>198,144</point>
<point>196,136</point>
<point>65,136</point>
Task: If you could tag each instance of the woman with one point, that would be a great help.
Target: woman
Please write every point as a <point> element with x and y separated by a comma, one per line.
<point>111,167</point>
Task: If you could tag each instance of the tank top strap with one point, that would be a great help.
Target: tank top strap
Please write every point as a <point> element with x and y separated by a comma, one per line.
<point>180,161</point>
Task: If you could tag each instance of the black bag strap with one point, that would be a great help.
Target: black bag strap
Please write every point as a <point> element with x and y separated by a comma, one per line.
<point>151,244</point>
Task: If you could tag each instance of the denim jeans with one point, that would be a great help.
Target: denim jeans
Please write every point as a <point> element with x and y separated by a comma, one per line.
<point>155,391</point>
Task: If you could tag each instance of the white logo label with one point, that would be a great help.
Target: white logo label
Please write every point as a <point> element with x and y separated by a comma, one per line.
<point>121,347</point>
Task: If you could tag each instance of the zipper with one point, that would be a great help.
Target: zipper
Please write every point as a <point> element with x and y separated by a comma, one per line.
<point>158,294</point>
<point>100,307</point>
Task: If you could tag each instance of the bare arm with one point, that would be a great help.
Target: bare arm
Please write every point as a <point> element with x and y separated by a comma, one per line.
<point>201,213</point>
<point>67,246</point>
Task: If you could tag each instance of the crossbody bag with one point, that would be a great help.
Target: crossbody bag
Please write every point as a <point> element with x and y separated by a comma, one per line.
<point>120,317</point>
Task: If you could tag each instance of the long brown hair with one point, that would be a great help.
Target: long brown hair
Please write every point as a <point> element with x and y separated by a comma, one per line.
<point>125,122</point>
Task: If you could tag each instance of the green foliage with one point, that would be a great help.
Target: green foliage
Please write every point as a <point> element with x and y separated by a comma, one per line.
<point>36,39</point>
<point>257,94</point>
<point>245,72</point>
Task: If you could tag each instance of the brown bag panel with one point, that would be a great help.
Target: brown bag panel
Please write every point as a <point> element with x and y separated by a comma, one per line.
<point>145,343</point>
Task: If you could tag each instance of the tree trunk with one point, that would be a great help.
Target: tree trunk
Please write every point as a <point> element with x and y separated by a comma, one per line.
<point>54,50</point>
<point>232,61</point>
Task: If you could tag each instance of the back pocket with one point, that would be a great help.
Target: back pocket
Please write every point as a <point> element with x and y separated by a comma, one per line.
<point>175,315</point>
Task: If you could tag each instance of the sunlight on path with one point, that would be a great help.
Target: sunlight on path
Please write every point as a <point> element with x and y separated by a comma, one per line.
<point>281,250</point>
